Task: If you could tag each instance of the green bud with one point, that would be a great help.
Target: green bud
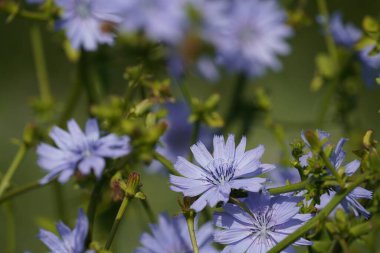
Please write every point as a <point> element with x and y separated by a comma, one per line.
<point>29,134</point>
<point>370,25</point>
<point>312,137</point>
<point>361,229</point>
<point>133,184</point>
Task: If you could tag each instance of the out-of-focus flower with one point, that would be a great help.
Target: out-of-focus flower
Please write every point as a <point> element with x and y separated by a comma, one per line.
<point>85,151</point>
<point>71,241</point>
<point>280,176</point>
<point>337,158</point>
<point>177,138</point>
<point>160,20</point>
<point>171,235</point>
<point>252,36</point>
<point>270,220</point>
<point>346,35</point>
<point>89,22</point>
<point>228,168</point>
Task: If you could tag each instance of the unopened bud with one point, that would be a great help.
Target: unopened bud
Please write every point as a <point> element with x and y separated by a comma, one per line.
<point>133,184</point>
<point>313,140</point>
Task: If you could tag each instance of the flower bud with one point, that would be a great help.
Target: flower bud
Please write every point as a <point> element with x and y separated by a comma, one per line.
<point>133,183</point>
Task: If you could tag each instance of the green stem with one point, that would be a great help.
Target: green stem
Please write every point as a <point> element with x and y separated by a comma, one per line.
<point>333,51</point>
<point>289,188</point>
<point>331,168</point>
<point>39,61</point>
<point>148,210</point>
<point>21,190</point>
<point>116,223</point>
<point>91,210</point>
<point>59,201</point>
<point>11,229</point>
<point>319,218</point>
<point>190,225</point>
<point>236,101</point>
<point>85,80</point>
<point>6,180</point>
<point>166,163</point>
<point>72,101</point>
<point>186,94</point>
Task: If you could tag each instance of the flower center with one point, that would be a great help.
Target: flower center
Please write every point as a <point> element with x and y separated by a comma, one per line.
<point>220,171</point>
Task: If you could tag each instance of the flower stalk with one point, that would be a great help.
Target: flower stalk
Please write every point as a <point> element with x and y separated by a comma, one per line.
<point>190,215</point>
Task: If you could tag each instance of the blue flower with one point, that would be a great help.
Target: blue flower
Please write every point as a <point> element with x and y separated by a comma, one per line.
<point>71,241</point>
<point>228,168</point>
<point>87,22</point>
<point>160,20</point>
<point>337,157</point>
<point>270,220</point>
<point>75,149</point>
<point>171,235</point>
<point>346,35</point>
<point>252,36</point>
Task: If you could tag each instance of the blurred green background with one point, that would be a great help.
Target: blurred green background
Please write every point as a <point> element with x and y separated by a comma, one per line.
<point>293,104</point>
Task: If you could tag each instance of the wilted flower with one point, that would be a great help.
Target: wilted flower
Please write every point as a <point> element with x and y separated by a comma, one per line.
<point>251,36</point>
<point>171,235</point>
<point>270,220</point>
<point>87,22</point>
<point>228,168</point>
<point>75,149</point>
<point>71,241</point>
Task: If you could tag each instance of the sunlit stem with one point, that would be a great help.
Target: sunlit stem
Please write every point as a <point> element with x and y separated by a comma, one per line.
<point>115,226</point>
<point>320,217</point>
<point>166,163</point>
<point>289,188</point>
<point>6,180</point>
<point>190,225</point>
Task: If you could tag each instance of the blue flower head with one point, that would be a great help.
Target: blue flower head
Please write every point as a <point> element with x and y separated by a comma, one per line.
<point>171,235</point>
<point>346,35</point>
<point>160,20</point>
<point>228,168</point>
<point>270,220</point>
<point>71,241</point>
<point>85,151</point>
<point>86,21</point>
<point>252,36</point>
<point>337,157</point>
